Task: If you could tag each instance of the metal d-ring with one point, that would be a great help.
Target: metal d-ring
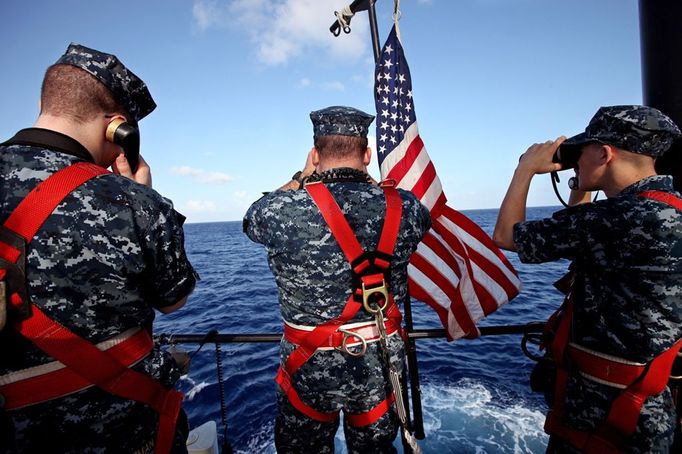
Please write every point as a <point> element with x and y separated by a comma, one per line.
<point>366,293</point>
<point>344,344</point>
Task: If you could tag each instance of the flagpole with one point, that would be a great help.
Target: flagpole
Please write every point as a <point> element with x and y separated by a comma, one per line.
<point>417,423</point>
<point>374,30</point>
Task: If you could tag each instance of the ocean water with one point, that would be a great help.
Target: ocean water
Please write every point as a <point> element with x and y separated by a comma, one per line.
<point>475,393</point>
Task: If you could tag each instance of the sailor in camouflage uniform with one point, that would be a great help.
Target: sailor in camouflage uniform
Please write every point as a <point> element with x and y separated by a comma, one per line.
<point>110,254</point>
<point>314,281</point>
<point>626,254</point>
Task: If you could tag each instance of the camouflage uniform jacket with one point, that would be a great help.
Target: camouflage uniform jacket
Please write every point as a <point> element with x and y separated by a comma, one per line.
<point>627,255</point>
<point>110,253</point>
<point>311,271</point>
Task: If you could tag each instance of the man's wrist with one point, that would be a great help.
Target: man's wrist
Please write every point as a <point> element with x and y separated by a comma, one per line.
<point>298,176</point>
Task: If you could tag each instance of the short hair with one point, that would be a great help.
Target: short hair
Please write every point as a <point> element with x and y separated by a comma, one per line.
<point>338,146</point>
<point>71,92</point>
<point>635,158</point>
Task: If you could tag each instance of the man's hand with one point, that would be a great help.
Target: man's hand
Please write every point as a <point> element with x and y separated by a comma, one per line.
<point>538,158</point>
<point>143,174</point>
<point>308,170</point>
<point>309,167</point>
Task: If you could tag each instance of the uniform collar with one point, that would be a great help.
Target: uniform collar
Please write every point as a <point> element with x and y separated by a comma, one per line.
<point>652,183</point>
<point>53,140</point>
<point>340,175</point>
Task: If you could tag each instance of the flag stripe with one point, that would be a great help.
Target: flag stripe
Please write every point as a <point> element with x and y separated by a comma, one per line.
<point>481,253</point>
<point>427,177</point>
<point>435,282</point>
<point>392,159</point>
<point>464,282</point>
<point>467,225</point>
<point>442,257</point>
<point>442,251</point>
<point>452,328</point>
<point>434,198</point>
<point>402,168</point>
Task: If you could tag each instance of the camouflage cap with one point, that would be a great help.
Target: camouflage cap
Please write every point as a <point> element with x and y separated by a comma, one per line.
<point>128,89</point>
<point>340,120</point>
<point>639,129</point>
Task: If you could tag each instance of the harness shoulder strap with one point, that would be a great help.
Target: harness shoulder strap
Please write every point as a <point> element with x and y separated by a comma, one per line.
<point>98,367</point>
<point>39,204</point>
<point>665,197</point>
<point>343,233</point>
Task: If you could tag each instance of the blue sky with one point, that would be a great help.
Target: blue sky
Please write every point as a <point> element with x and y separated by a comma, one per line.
<point>235,80</point>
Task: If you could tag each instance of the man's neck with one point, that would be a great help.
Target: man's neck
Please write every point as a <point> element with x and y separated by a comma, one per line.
<point>623,181</point>
<point>84,133</point>
<point>336,164</point>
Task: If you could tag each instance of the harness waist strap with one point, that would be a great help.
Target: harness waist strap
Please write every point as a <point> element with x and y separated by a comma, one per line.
<point>53,380</point>
<point>352,333</point>
<point>605,369</point>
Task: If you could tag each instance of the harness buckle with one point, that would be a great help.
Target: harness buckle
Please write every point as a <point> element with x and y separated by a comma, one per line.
<point>344,344</point>
<point>375,297</point>
<point>13,275</point>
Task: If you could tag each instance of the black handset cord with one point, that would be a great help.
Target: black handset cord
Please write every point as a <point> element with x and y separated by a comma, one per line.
<point>555,180</point>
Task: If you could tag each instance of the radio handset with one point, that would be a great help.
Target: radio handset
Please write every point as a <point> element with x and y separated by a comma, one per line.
<point>127,137</point>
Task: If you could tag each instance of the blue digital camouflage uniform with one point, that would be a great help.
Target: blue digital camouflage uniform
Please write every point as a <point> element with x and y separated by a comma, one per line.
<point>112,252</point>
<point>626,252</point>
<point>314,281</point>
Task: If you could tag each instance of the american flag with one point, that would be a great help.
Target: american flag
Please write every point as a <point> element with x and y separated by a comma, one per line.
<point>457,269</point>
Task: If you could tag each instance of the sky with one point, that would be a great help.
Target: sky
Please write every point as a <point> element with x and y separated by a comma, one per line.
<point>235,81</point>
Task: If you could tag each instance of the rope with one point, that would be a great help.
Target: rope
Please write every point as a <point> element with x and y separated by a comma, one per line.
<point>227,447</point>
<point>394,381</point>
<point>396,18</point>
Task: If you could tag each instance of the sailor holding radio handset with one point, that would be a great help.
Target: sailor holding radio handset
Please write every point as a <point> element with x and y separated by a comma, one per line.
<point>86,256</point>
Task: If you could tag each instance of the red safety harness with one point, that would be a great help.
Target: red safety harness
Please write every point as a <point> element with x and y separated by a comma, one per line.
<point>82,364</point>
<point>638,381</point>
<point>370,272</point>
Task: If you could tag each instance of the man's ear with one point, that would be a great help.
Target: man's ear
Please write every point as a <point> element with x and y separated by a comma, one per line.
<point>315,157</point>
<point>607,153</point>
<point>367,156</point>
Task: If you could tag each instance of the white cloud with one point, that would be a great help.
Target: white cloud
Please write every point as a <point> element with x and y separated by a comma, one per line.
<point>201,175</point>
<point>207,13</point>
<point>284,29</point>
<point>200,206</point>
<point>333,85</point>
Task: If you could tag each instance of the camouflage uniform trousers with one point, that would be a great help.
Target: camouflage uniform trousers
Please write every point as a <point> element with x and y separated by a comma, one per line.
<point>332,381</point>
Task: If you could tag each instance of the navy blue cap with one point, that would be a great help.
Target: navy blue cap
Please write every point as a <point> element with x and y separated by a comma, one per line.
<point>128,89</point>
<point>340,120</point>
<point>639,129</point>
